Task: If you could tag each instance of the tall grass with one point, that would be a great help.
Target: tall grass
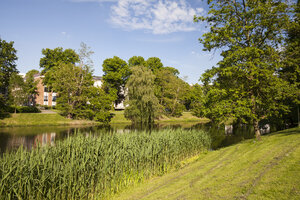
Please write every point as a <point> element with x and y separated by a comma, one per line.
<point>95,167</point>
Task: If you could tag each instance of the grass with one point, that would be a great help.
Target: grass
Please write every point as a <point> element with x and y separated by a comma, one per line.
<point>266,169</point>
<point>186,117</point>
<point>90,167</point>
<point>39,119</point>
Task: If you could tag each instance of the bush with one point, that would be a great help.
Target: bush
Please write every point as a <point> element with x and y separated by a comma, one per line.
<point>23,109</point>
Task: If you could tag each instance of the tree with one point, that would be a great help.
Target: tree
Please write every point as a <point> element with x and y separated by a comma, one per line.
<point>72,86</point>
<point>116,73</point>
<point>31,86</point>
<point>245,85</point>
<point>291,63</point>
<point>136,60</point>
<point>53,59</point>
<point>154,64</point>
<point>142,104</point>
<point>85,60</point>
<point>17,90</point>
<point>8,59</point>
<point>170,91</point>
<point>100,104</point>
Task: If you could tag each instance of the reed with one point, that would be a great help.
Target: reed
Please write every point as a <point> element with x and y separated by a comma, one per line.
<point>94,167</point>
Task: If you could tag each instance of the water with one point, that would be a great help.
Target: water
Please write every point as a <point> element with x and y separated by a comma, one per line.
<point>30,137</point>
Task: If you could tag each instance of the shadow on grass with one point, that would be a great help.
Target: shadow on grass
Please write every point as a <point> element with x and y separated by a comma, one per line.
<point>4,115</point>
<point>291,131</point>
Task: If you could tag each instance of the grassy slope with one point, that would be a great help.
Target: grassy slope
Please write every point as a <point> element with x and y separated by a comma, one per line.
<point>36,119</point>
<point>267,169</point>
<point>186,117</point>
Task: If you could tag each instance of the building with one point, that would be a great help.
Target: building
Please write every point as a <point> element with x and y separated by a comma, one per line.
<point>44,96</point>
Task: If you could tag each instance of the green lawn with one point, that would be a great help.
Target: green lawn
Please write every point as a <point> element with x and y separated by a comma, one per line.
<point>38,119</point>
<point>186,117</point>
<point>266,169</point>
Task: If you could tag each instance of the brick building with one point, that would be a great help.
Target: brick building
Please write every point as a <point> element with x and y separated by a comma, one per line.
<point>44,96</point>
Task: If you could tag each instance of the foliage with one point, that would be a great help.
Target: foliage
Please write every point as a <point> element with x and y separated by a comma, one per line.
<point>142,104</point>
<point>31,86</point>
<point>93,167</point>
<point>100,104</point>
<point>8,58</point>
<point>53,59</point>
<point>170,91</point>
<point>17,90</point>
<point>116,73</point>
<point>72,85</point>
<point>136,61</point>
<point>194,99</point>
<point>245,85</point>
<point>154,64</point>
<point>84,55</point>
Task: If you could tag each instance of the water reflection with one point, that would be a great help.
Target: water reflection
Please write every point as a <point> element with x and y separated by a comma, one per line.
<point>31,137</point>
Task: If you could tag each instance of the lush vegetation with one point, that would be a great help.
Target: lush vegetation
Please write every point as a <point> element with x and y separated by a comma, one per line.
<point>84,167</point>
<point>267,169</point>
<point>245,86</point>
<point>142,103</point>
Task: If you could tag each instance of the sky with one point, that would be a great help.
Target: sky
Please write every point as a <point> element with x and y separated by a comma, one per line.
<point>123,28</point>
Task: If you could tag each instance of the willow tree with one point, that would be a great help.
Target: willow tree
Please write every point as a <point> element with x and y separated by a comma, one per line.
<point>142,104</point>
<point>244,86</point>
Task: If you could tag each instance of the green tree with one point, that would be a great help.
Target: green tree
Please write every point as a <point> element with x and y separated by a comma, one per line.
<point>53,59</point>
<point>136,60</point>
<point>100,104</point>
<point>17,90</point>
<point>116,73</point>
<point>31,86</point>
<point>154,64</point>
<point>142,104</point>
<point>8,59</point>
<point>85,60</point>
<point>245,85</point>
<point>72,86</point>
<point>171,91</point>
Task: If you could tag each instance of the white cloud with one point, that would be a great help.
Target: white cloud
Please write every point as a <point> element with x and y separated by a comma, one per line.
<point>158,17</point>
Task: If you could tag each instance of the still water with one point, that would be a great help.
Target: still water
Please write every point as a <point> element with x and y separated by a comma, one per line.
<point>30,137</point>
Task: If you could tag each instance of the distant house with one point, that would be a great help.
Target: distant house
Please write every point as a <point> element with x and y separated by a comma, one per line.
<point>45,96</point>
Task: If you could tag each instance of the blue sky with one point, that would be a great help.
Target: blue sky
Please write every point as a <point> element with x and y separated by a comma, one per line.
<point>123,28</point>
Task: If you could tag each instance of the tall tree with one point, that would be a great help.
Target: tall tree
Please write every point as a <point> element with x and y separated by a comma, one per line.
<point>53,59</point>
<point>72,85</point>
<point>142,104</point>
<point>8,59</point>
<point>245,84</point>
<point>85,60</point>
<point>116,73</point>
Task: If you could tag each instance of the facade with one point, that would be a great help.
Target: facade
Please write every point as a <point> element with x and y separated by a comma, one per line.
<point>44,96</point>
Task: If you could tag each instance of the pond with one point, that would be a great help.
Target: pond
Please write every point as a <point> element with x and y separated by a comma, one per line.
<point>30,137</point>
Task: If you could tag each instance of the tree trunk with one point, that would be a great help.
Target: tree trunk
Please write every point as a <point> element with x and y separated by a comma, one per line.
<point>256,129</point>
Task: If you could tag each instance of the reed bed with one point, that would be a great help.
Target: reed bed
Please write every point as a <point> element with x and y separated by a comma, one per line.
<point>94,167</point>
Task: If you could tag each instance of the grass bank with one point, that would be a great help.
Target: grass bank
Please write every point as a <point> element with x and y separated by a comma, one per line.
<point>40,119</point>
<point>186,117</point>
<point>95,167</point>
<point>266,169</point>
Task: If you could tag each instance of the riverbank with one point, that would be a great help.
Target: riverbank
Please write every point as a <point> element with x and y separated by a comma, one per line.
<point>266,169</point>
<point>41,119</point>
<point>54,119</point>
<point>119,118</point>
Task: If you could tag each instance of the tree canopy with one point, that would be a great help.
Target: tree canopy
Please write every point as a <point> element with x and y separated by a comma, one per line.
<point>142,104</point>
<point>245,85</point>
<point>53,59</point>
<point>116,73</point>
<point>8,60</point>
